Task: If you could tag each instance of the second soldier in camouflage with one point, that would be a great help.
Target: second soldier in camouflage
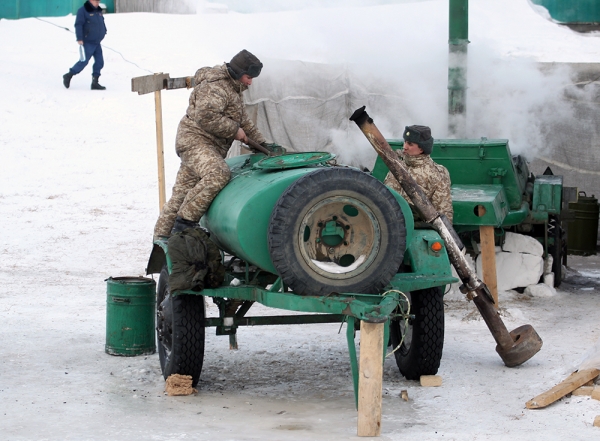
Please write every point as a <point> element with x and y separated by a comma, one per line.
<point>433,178</point>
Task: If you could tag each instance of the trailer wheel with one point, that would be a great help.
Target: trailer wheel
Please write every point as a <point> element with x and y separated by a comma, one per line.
<point>337,230</point>
<point>421,350</point>
<point>558,250</point>
<point>180,328</point>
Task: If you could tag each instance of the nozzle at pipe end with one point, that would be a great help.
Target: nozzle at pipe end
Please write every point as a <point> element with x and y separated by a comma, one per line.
<point>526,344</point>
<point>360,116</point>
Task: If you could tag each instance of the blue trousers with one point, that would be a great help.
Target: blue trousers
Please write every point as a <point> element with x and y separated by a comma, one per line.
<point>91,50</point>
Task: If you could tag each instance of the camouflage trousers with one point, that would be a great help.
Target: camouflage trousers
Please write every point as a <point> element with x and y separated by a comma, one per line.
<point>202,175</point>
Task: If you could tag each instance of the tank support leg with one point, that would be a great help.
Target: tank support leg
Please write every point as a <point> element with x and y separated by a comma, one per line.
<point>370,378</point>
<point>352,352</point>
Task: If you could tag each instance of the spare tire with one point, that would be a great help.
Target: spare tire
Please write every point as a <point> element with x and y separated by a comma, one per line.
<point>337,230</point>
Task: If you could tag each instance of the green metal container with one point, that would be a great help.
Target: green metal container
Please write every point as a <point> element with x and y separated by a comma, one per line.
<point>572,11</point>
<point>130,312</point>
<point>238,218</point>
<point>582,233</point>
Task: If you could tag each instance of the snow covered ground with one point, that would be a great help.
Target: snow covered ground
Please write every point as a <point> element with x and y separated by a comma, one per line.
<point>79,198</point>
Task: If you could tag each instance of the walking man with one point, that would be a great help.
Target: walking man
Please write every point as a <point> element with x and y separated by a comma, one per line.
<point>90,31</point>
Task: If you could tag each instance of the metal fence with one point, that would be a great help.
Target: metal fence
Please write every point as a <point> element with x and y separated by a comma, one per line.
<point>161,6</point>
<point>15,9</point>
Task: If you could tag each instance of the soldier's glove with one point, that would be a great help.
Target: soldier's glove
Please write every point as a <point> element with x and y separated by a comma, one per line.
<point>275,148</point>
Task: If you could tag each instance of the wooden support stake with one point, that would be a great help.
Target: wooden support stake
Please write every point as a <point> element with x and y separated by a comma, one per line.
<point>488,258</point>
<point>155,83</point>
<point>160,151</point>
<point>572,382</point>
<point>370,379</point>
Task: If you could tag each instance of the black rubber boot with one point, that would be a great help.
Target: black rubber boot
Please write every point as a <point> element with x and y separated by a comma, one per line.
<point>182,224</point>
<point>96,85</point>
<point>67,79</point>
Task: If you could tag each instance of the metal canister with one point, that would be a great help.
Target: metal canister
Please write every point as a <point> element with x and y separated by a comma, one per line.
<point>582,232</point>
<point>130,315</point>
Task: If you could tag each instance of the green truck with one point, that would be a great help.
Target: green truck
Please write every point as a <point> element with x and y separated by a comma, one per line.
<point>492,187</point>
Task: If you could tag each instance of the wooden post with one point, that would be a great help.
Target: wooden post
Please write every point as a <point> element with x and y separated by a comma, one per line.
<point>160,151</point>
<point>155,83</point>
<point>488,260</point>
<point>370,378</point>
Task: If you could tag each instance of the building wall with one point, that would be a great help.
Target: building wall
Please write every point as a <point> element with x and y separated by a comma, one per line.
<point>15,9</point>
<point>572,11</point>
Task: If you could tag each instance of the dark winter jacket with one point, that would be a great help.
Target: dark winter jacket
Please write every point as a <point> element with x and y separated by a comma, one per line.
<point>89,24</point>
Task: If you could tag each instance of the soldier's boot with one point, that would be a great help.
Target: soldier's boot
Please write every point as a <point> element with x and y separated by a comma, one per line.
<point>67,79</point>
<point>96,85</point>
<point>182,224</point>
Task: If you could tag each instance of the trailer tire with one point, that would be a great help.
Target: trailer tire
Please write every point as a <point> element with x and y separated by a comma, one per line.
<point>337,230</point>
<point>421,350</point>
<point>181,332</point>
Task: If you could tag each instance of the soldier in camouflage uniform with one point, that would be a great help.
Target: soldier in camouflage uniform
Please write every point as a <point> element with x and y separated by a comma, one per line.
<point>433,178</point>
<point>215,117</point>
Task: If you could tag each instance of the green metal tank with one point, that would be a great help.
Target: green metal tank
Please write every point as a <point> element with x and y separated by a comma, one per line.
<point>130,303</point>
<point>320,227</point>
<point>582,232</point>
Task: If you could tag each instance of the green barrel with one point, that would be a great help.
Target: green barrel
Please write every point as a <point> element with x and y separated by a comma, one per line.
<point>582,233</point>
<point>130,312</point>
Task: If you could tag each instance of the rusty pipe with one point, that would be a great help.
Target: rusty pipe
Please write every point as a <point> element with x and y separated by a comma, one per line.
<point>256,146</point>
<point>422,204</point>
<point>514,347</point>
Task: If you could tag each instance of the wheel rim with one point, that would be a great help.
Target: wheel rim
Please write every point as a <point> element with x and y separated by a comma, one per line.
<point>339,237</point>
<point>164,324</point>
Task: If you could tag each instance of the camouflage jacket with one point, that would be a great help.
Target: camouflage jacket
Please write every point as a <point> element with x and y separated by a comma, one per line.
<point>215,113</point>
<point>433,178</point>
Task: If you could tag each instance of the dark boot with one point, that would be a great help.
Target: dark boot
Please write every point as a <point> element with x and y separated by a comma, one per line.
<point>67,79</point>
<point>96,85</point>
<point>182,224</point>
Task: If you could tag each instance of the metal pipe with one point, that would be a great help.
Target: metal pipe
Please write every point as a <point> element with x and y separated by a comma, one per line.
<point>256,146</point>
<point>515,347</point>
<point>457,66</point>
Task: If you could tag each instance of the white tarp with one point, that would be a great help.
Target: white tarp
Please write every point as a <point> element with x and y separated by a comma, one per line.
<point>306,107</point>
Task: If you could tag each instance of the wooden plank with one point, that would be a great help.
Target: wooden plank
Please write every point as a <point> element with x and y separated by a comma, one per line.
<point>430,380</point>
<point>149,83</point>
<point>370,379</point>
<point>488,260</point>
<point>180,83</point>
<point>584,390</point>
<point>572,382</point>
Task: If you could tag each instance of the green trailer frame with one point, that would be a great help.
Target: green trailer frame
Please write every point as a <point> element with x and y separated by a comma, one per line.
<point>429,269</point>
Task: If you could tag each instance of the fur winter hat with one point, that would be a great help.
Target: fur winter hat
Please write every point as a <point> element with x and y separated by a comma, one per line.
<point>244,63</point>
<point>420,135</point>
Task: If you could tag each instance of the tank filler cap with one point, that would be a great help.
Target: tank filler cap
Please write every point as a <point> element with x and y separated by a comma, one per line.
<point>293,160</point>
